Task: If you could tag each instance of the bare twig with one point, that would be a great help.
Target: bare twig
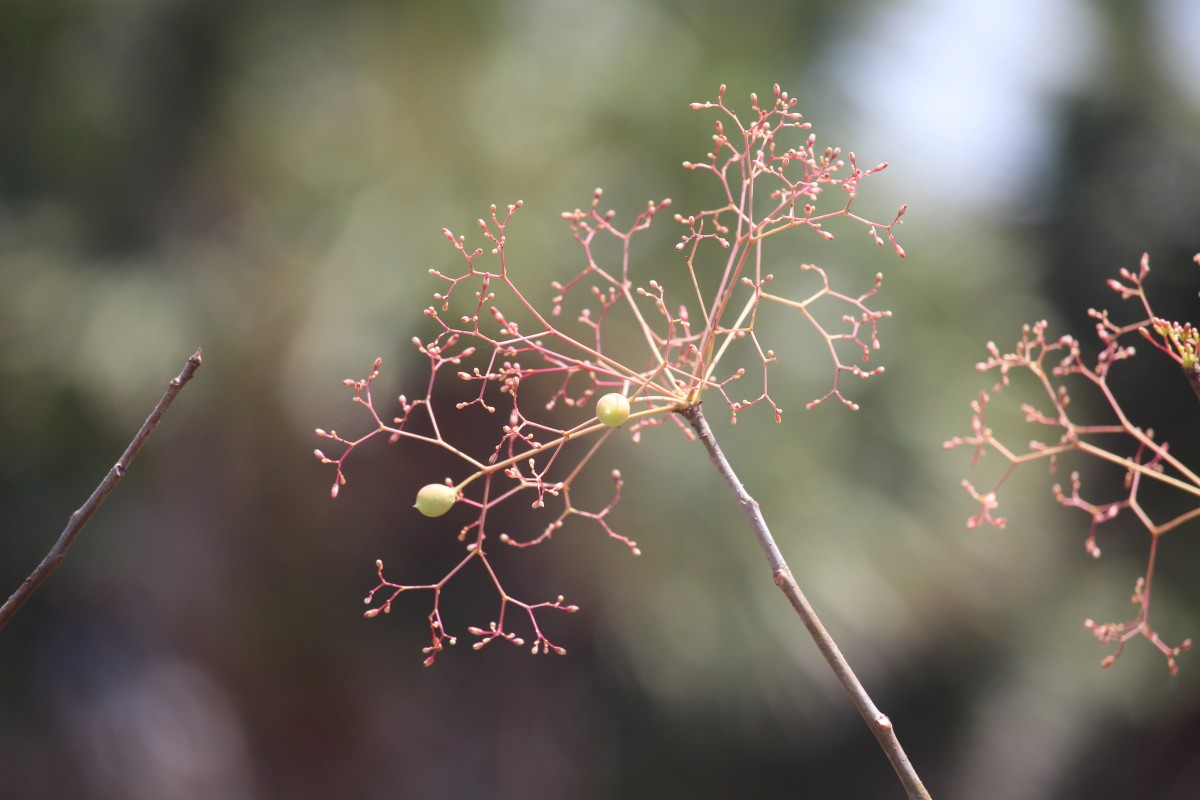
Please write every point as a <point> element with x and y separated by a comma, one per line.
<point>879,724</point>
<point>80,518</point>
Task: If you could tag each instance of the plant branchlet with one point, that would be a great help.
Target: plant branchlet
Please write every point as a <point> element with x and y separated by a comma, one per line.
<point>609,329</point>
<point>1050,363</point>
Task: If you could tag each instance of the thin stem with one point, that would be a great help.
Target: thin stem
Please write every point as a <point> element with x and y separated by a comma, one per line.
<point>879,724</point>
<point>80,518</point>
<point>1192,374</point>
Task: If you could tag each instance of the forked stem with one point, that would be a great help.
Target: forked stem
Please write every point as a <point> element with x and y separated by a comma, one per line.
<point>878,722</point>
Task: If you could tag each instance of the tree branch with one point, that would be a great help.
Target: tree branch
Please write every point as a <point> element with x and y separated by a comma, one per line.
<point>80,518</point>
<point>879,724</point>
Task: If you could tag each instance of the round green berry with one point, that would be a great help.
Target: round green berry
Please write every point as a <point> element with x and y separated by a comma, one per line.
<point>612,409</point>
<point>435,499</point>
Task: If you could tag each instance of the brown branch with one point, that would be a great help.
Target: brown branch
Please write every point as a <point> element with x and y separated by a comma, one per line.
<point>879,724</point>
<point>1193,378</point>
<point>80,518</point>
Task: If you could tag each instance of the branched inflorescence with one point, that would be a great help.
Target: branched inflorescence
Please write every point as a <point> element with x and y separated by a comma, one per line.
<point>1116,441</point>
<point>630,335</point>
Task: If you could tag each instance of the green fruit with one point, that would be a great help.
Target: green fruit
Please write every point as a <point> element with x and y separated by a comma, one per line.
<point>435,499</point>
<point>612,409</point>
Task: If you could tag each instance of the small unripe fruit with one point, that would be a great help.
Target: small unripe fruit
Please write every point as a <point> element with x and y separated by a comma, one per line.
<point>435,499</point>
<point>612,409</point>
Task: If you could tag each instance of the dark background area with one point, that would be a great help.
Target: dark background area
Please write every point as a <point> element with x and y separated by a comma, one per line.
<point>268,181</point>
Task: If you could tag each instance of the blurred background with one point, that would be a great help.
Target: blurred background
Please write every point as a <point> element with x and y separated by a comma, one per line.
<point>268,181</point>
